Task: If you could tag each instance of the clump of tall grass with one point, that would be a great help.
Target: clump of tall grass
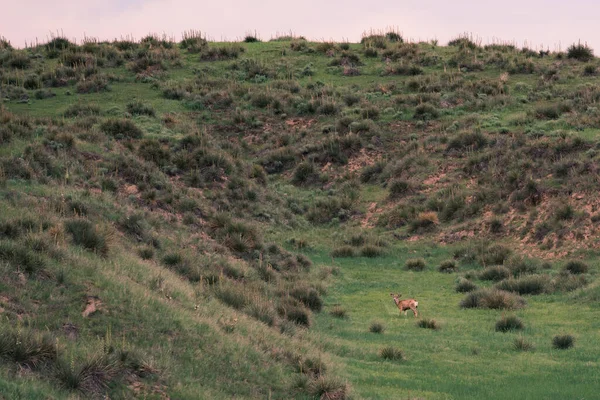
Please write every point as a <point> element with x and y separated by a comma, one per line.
<point>391,353</point>
<point>522,344</point>
<point>377,327</point>
<point>563,342</point>
<point>415,264</point>
<point>493,299</point>
<point>428,324</point>
<point>509,323</point>
<point>464,286</point>
<point>576,267</point>
<point>448,266</point>
<point>85,234</point>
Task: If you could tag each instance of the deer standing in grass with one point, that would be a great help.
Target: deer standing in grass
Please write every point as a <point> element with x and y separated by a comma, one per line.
<point>405,305</point>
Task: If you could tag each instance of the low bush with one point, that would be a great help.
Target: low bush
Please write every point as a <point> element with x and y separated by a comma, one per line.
<point>85,234</point>
<point>121,129</point>
<point>534,284</point>
<point>371,251</point>
<point>563,342</point>
<point>494,273</point>
<point>580,52</point>
<point>465,286</point>
<point>415,264</point>
<point>492,299</point>
<point>391,353</point>
<point>139,108</point>
<point>27,349</point>
<point>510,323</point>
<point>343,251</point>
<point>338,312</point>
<point>377,327</point>
<point>428,324</point>
<point>576,267</point>
<point>308,296</point>
<point>448,266</point>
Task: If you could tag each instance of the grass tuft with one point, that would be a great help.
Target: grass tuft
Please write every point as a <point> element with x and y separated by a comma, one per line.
<point>563,342</point>
<point>510,323</point>
<point>391,353</point>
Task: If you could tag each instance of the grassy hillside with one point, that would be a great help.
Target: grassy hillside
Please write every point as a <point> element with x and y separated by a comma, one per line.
<point>218,220</point>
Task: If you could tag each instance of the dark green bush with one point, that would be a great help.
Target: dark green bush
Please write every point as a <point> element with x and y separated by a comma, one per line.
<point>21,257</point>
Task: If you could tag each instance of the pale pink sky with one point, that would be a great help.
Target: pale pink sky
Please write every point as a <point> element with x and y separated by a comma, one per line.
<point>537,23</point>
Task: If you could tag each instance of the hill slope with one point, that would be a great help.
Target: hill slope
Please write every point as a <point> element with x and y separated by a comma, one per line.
<point>163,204</point>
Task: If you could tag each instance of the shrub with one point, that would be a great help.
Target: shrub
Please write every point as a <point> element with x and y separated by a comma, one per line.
<point>370,251</point>
<point>493,299</point>
<point>135,225</point>
<point>121,129</point>
<point>467,140</point>
<point>96,84</point>
<point>26,348</point>
<point>580,52</point>
<point>563,342</point>
<point>251,39</point>
<point>295,313</point>
<point>338,312</point>
<point>343,251</point>
<point>305,174</point>
<point>426,112</point>
<point>465,286</point>
<point>325,387</point>
<point>377,327</point>
<point>448,266</point>
<point>494,273</point>
<point>84,234</point>
<point>428,324</point>
<point>522,344</point>
<point>81,110</point>
<point>308,296</point>
<point>21,257</point>
<point>510,323</point>
<point>494,254</point>
<point>522,265</point>
<point>139,108</point>
<point>576,267</point>
<point>91,378</point>
<point>415,264</point>
<point>535,284</point>
<point>262,311</point>
<point>391,353</point>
